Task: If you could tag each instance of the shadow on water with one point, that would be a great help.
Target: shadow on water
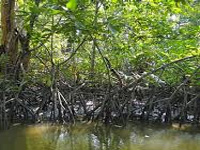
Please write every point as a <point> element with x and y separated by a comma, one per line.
<point>98,137</point>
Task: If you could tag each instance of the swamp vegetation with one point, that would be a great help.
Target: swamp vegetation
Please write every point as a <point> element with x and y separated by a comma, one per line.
<point>68,61</point>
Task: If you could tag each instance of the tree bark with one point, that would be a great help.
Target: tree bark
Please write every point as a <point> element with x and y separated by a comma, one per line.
<point>9,37</point>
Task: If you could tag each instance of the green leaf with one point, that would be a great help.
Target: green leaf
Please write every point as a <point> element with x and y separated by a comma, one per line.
<point>114,1</point>
<point>112,28</point>
<point>72,4</point>
<point>21,2</point>
<point>55,12</point>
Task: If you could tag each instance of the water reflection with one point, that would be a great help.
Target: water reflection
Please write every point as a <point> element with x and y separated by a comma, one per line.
<point>97,137</point>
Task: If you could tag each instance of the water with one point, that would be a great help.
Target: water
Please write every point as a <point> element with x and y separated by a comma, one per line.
<point>98,137</point>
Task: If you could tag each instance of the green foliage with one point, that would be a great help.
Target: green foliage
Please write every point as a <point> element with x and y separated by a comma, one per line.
<point>72,4</point>
<point>139,35</point>
<point>3,60</point>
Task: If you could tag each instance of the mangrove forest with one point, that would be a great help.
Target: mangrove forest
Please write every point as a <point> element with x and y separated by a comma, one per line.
<point>107,61</point>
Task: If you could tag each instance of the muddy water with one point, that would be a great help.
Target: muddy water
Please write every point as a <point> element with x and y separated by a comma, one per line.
<point>98,137</point>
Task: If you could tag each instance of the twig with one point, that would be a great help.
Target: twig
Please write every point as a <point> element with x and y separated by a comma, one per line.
<point>134,83</point>
<point>74,52</point>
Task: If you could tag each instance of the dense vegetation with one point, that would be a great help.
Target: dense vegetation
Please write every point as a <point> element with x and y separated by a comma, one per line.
<point>109,60</point>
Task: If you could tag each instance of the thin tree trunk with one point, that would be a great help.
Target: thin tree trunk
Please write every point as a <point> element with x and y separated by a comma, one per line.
<point>25,40</point>
<point>93,53</point>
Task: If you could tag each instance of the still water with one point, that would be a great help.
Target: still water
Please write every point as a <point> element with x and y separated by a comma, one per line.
<point>98,137</point>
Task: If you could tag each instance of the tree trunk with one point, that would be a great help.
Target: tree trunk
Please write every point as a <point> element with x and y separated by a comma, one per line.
<point>9,38</point>
<point>25,39</point>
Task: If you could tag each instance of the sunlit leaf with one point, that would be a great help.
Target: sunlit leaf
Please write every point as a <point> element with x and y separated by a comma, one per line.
<point>72,4</point>
<point>114,1</point>
<point>21,2</point>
